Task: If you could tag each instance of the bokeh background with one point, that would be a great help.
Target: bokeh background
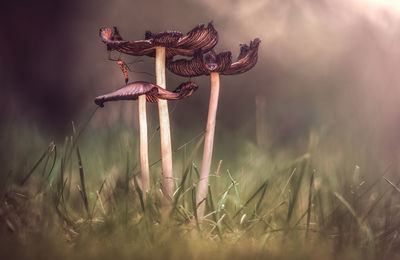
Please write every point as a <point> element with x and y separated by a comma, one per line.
<point>325,65</point>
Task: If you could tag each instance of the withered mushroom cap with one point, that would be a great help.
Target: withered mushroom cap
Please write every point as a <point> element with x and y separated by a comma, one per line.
<point>204,64</point>
<point>153,92</point>
<point>246,60</point>
<point>199,38</point>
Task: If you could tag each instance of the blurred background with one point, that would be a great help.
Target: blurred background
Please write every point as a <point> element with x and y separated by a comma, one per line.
<point>325,65</point>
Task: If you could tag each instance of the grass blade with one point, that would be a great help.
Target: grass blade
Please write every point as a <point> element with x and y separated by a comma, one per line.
<point>194,207</point>
<point>392,184</point>
<point>212,209</point>
<point>221,202</point>
<point>81,176</point>
<point>309,203</point>
<point>251,198</point>
<point>346,204</point>
<point>139,192</point>
<point>234,185</point>
<point>261,197</point>
<point>29,174</point>
<point>186,172</point>
<point>296,185</point>
<point>98,198</point>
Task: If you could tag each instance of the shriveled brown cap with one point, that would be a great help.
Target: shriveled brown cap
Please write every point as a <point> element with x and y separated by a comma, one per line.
<point>153,92</point>
<point>246,60</point>
<point>204,64</point>
<point>199,38</point>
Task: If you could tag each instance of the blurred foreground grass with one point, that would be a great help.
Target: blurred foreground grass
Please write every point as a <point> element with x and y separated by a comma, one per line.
<point>81,199</point>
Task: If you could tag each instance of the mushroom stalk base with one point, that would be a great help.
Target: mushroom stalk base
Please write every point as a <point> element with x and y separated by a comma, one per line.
<point>165,135</point>
<point>208,146</point>
<point>144,157</point>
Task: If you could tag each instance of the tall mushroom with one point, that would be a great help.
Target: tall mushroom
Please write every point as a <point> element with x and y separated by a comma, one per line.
<point>163,46</point>
<point>143,91</point>
<point>214,65</point>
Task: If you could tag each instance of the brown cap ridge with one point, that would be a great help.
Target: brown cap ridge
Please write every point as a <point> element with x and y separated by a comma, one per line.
<point>204,64</point>
<point>246,60</point>
<point>153,92</point>
<point>199,38</point>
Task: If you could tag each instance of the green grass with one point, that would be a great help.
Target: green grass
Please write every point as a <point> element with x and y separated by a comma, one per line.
<point>81,199</point>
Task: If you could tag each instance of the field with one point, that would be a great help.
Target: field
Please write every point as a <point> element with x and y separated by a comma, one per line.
<point>306,155</point>
<point>80,199</point>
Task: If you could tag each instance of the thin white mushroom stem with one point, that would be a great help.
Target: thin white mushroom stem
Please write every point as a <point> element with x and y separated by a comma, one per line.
<point>165,135</point>
<point>143,146</point>
<point>208,146</point>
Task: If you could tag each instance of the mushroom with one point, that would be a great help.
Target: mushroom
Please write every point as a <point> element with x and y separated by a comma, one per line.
<point>214,65</point>
<point>151,92</point>
<point>143,91</point>
<point>163,46</point>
